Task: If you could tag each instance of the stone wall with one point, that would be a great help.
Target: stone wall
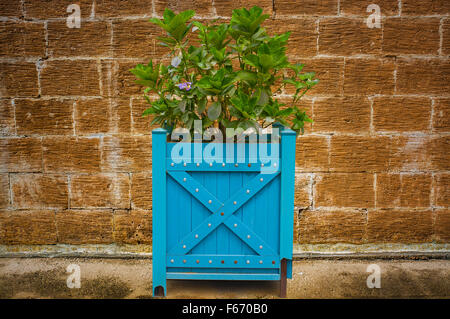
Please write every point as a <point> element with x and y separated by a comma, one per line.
<point>75,160</point>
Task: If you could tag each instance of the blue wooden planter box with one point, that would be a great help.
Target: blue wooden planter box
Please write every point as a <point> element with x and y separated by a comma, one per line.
<point>222,221</point>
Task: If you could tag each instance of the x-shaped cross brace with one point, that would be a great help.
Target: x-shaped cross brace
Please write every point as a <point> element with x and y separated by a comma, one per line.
<point>222,213</point>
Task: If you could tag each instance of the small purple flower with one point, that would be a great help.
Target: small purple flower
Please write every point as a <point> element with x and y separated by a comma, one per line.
<point>184,86</point>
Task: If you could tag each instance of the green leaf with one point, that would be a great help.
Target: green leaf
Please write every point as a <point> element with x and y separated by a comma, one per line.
<point>214,111</point>
<point>201,105</point>
<point>263,97</point>
<point>182,105</point>
<point>246,76</point>
<point>168,15</point>
<point>251,60</point>
<point>147,112</point>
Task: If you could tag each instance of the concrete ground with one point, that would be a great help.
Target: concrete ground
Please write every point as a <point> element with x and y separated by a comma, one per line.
<point>312,278</point>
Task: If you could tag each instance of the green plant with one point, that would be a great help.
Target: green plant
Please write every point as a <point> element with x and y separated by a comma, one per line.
<point>228,80</point>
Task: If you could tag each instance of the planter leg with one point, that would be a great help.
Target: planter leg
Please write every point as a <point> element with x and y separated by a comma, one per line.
<point>159,291</point>
<point>283,278</point>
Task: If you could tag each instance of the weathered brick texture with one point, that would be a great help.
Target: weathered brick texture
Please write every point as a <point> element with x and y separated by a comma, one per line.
<point>369,76</point>
<point>344,190</point>
<point>341,114</point>
<point>359,7</point>
<point>114,9</point>
<point>307,7</point>
<point>21,154</point>
<point>442,190</point>
<point>39,191</point>
<point>75,152</point>
<point>441,115</point>
<point>91,40</point>
<point>22,39</point>
<point>100,191</point>
<point>83,79</point>
<point>303,38</point>
<point>406,226</point>
<point>402,190</point>
<point>71,154</point>
<point>334,226</point>
<point>303,191</point>
<point>411,36</point>
<point>27,227</point>
<point>4,190</point>
<point>441,225</point>
<point>7,122</point>
<point>427,76</point>
<point>44,117</point>
<point>85,226</point>
<point>133,227</point>
<point>51,9</point>
<point>98,115</point>
<point>137,39</point>
<point>401,114</point>
<point>348,36</point>
<point>18,79</point>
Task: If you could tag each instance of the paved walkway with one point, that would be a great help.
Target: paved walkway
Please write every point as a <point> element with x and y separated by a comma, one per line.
<point>131,278</point>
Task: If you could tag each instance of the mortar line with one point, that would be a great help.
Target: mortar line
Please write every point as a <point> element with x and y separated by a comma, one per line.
<point>130,176</point>
<point>100,146</point>
<point>313,101</point>
<point>318,36</point>
<point>329,150</point>
<point>312,181</point>
<point>432,116</point>
<point>210,17</point>
<point>38,71</point>
<point>375,190</point>
<point>379,134</point>
<point>433,204</point>
<point>371,127</point>
<point>69,190</point>
<point>42,154</point>
<point>56,226</point>
<point>377,57</point>
<point>100,76</point>
<point>214,10</point>
<point>22,8</point>
<point>46,38</point>
<point>399,8</point>
<point>273,9</point>
<point>131,116</point>
<point>74,112</point>
<point>113,222</point>
<point>92,14</point>
<point>341,89</point>
<point>395,75</point>
<point>441,36</point>
<point>10,191</point>
<point>13,104</point>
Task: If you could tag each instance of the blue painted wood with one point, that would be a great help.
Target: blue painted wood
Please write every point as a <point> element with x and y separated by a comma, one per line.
<point>288,138</point>
<point>159,209</point>
<point>252,270</point>
<point>197,190</point>
<point>220,216</point>
<point>215,167</point>
<point>222,276</point>
<point>223,261</point>
<point>236,212</point>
